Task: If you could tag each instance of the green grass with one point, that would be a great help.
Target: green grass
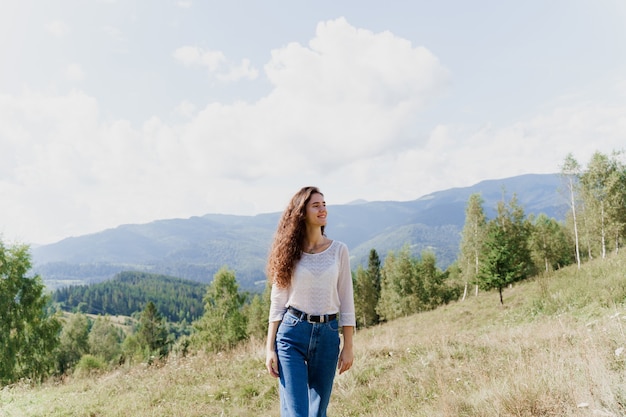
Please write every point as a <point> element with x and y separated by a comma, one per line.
<point>549,351</point>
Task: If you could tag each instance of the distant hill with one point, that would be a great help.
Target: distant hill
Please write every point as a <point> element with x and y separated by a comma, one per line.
<point>197,247</point>
<point>128,292</point>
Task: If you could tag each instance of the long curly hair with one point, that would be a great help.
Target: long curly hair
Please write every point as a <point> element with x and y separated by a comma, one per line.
<point>289,238</point>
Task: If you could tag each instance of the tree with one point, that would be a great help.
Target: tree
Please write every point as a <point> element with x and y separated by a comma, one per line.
<point>401,286</point>
<point>570,171</point>
<point>74,342</point>
<point>258,312</point>
<point>507,257</point>
<point>596,193</point>
<point>616,201</point>
<point>472,238</point>
<point>152,332</point>
<point>105,340</point>
<point>223,324</point>
<point>28,336</point>
<point>436,290</point>
<point>367,291</point>
<point>549,243</point>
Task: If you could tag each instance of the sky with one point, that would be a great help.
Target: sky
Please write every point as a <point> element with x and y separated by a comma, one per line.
<point>129,111</point>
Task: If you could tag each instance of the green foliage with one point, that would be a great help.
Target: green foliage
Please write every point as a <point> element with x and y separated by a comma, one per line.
<point>152,332</point>
<point>74,342</point>
<point>257,313</point>
<point>129,292</point>
<point>27,334</point>
<point>89,364</point>
<point>105,340</point>
<point>550,243</point>
<point>472,238</point>
<point>410,285</point>
<point>400,288</point>
<point>367,287</point>
<point>223,324</point>
<point>437,288</point>
<point>603,192</point>
<point>506,253</point>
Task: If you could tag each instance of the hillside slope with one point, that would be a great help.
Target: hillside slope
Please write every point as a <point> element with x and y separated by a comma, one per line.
<point>556,348</point>
<point>197,247</point>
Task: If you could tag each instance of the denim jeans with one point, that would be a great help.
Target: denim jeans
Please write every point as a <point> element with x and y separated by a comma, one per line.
<point>307,359</point>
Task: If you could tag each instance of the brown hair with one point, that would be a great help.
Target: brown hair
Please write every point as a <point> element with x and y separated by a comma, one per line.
<point>289,238</point>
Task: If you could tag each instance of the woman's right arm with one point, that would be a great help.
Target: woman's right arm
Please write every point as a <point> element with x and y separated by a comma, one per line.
<point>271,358</point>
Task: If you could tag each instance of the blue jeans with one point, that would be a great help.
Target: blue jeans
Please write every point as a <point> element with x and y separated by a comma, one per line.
<point>307,359</point>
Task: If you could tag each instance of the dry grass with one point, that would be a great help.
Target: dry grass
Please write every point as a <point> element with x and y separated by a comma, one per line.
<point>549,351</point>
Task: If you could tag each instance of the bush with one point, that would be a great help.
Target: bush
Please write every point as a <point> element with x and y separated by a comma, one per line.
<point>88,365</point>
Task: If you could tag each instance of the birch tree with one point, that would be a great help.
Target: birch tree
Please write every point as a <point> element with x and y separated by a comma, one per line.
<point>570,172</point>
<point>472,238</point>
<point>550,244</point>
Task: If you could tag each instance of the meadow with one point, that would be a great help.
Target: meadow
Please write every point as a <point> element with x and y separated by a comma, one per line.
<point>555,348</point>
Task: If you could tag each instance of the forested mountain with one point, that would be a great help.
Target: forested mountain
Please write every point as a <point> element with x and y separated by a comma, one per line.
<point>176,299</point>
<point>197,247</point>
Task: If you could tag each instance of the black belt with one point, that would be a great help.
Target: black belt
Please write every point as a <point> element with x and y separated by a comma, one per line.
<point>312,319</point>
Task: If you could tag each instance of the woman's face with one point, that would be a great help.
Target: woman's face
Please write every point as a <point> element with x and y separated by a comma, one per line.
<point>316,211</point>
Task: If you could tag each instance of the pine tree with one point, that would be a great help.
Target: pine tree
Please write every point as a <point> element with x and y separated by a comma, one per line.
<point>223,324</point>
<point>152,332</point>
<point>367,291</point>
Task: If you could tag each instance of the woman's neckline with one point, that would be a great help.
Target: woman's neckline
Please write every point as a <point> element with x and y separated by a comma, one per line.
<point>324,249</point>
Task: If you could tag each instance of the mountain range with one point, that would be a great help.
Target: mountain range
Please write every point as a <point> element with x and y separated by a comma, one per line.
<point>197,247</point>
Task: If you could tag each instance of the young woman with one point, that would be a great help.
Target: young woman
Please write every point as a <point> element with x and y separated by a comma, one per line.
<point>311,298</point>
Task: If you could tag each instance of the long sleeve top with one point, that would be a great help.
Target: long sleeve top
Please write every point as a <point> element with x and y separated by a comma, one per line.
<point>321,284</point>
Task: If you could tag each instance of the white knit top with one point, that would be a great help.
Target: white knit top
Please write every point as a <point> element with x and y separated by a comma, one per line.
<point>321,284</point>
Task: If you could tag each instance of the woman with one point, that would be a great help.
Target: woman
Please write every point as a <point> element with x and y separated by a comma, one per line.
<point>311,298</point>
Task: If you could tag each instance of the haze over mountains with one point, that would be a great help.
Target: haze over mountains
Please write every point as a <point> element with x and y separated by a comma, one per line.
<point>197,247</point>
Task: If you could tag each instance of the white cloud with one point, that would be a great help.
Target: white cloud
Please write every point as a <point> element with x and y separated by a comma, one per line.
<point>243,70</point>
<point>216,63</point>
<point>57,28</point>
<point>192,55</point>
<point>184,4</point>
<point>186,109</point>
<point>341,114</point>
<point>74,72</point>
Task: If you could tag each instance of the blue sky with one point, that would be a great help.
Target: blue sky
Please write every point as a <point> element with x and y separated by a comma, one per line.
<point>116,112</point>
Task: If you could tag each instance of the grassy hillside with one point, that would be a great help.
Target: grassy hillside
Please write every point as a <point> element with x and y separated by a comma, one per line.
<point>556,348</point>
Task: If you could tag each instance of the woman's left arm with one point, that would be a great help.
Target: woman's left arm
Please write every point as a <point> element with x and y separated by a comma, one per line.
<point>346,357</point>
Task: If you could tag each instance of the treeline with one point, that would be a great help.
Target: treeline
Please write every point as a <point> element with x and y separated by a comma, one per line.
<point>129,292</point>
<point>511,247</point>
<point>495,253</point>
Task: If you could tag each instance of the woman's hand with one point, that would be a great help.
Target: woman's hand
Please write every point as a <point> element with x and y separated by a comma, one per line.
<point>271,358</point>
<point>346,357</point>
<point>271,363</point>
